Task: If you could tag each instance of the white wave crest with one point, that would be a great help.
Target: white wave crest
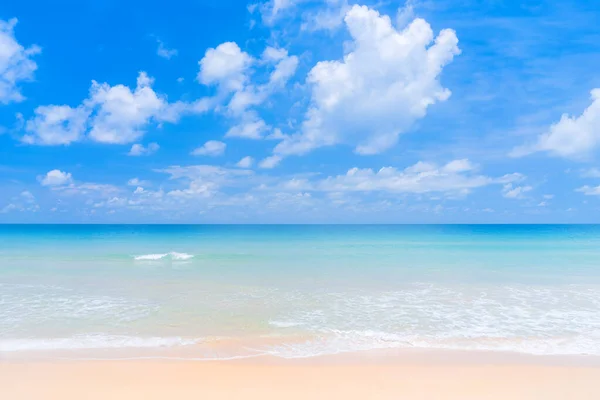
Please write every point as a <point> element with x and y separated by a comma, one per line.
<point>180,256</point>
<point>159,256</point>
<point>92,341</point>
<point>336,342</point>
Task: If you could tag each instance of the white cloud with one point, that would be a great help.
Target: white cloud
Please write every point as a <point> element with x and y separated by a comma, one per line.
<point>276,135</point>
<point>87,189</point>
<point>56,125</point>
<point>459,166</point>
<point>204,172</point>
<point>62,184</point>
<point>196,189</point>
<point>225,66</point>
<point>28,197</point>
<point>122,114</point>
<point>511,178</point>
<point>245,162</point>
<point>284,200</point>
<point>280,5</point>
<point>137,182</point>
<point>211,148</point>
<point>548,196</point>
<point>515,192</point>
<point>191,190</point>
<point>8,208</point>
<point>248,129</point>
<point>274,54</point>
<point>163,51</point>
<point>111,114</point>
<point>139,149</point>
<point>271,9</point>
<point>589,190</point>
<point>405,14</point>
<point>385,83</point>
<point>285,67</point>
<point>204,181</point>
<point>571,137</point>
<point>56,178</point>
<point>24,202</point>
<point>319,14</point>
<point>456,177</point>
<point>241,105</point>
<point>229,68</point>
<point>270,162</point>
<point>329,17</point>
<point>16,64</point>
<point>112,202</point>
<point>590,173</point>
<point>248,94</point>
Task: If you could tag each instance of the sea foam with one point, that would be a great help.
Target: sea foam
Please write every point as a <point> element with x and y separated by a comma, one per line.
<point>92,341</point>
<point>159,256</point>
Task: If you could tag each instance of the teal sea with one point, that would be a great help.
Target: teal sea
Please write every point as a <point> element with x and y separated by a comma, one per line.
<point>297,290</point>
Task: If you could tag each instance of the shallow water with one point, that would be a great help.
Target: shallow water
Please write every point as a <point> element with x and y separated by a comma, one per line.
<point>299,291</point>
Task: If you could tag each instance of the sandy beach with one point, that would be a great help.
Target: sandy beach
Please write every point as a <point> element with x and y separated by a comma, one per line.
<point>338,377</point>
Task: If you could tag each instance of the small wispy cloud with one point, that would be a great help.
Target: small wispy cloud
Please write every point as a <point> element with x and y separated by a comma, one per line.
<point>163,51</point>
<point>211,148</point>
<point>139,149</point>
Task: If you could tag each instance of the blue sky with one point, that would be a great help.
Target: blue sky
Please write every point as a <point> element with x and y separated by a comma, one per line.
<point>300,111</point>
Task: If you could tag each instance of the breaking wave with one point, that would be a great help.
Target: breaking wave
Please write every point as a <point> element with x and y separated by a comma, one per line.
<point>159,256</point>
<point>92,341</point>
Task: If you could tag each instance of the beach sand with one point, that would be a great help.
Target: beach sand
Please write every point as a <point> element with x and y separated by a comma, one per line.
<point>335,377</point>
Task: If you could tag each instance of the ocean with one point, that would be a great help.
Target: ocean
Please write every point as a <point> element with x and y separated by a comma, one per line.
<point>229,291</point>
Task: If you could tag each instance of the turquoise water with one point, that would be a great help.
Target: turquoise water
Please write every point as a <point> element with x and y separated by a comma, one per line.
<point>299,291</point>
